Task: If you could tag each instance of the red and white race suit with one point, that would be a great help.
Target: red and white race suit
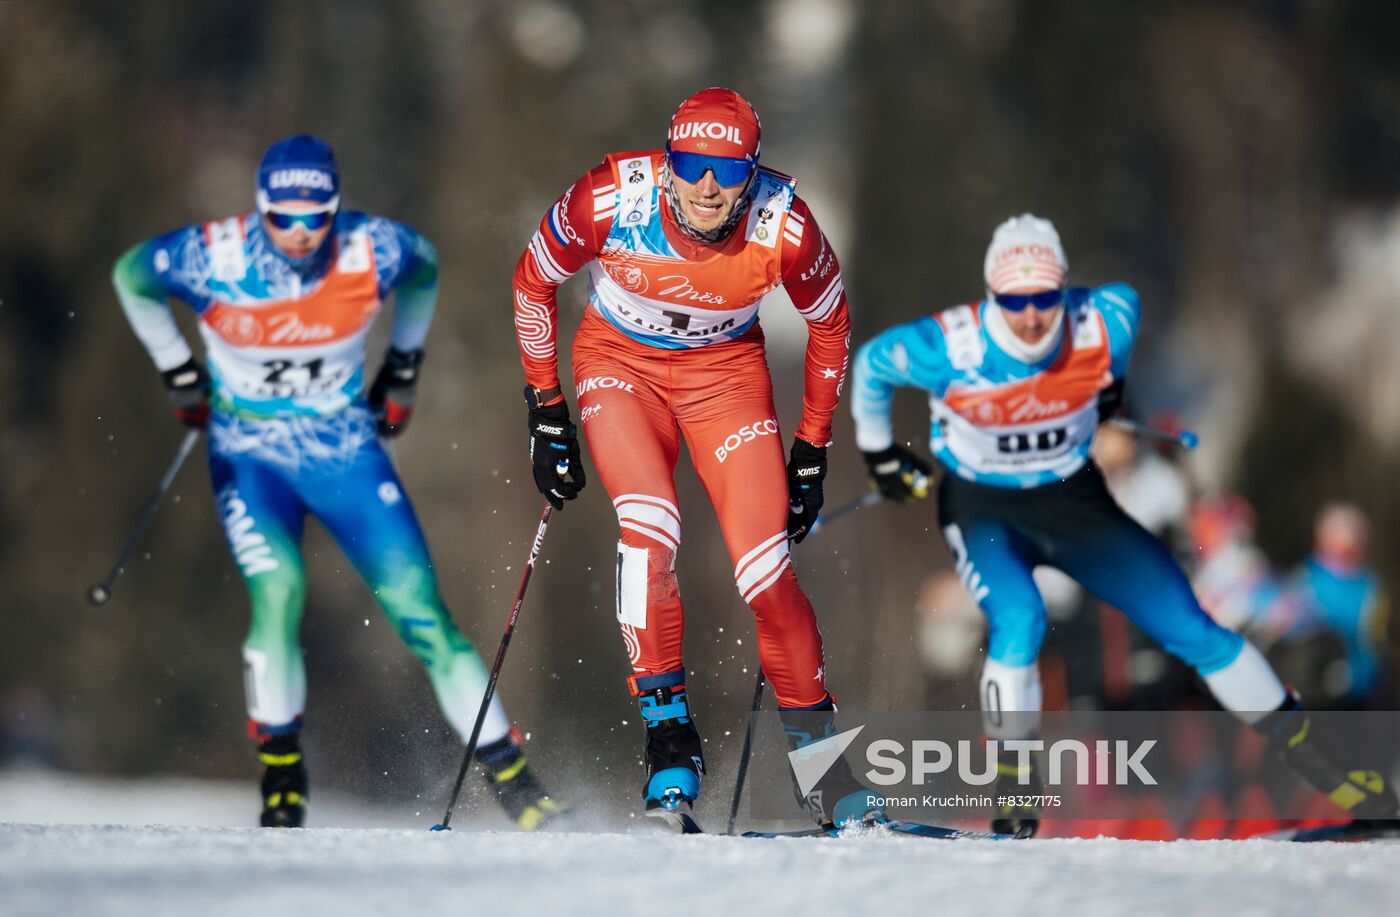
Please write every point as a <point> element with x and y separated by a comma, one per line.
<point>671,347</point>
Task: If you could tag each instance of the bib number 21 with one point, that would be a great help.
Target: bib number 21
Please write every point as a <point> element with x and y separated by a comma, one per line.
<point>277,368</point>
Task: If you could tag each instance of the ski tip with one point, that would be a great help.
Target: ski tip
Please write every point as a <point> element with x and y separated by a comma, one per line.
<point>683,822</point>
<point>678,815</point>
<point>1351,832</point>
<point>806,832</point>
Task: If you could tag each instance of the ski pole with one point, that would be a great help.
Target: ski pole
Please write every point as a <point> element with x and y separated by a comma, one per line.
<point>746,752</point>
<point>496,669</point>
<point>861,502</point>
<point>1185,440</point>
<point>99,593</point>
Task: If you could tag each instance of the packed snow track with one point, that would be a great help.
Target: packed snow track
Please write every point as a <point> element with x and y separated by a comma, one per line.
<point>119,870</point>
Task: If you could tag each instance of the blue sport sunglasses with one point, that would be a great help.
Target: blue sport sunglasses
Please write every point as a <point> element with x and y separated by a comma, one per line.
<point>311,222</point>
<point>691,167</point>
<point>1017,302</point>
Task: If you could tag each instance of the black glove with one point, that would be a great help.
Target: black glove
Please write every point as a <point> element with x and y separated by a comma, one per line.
<point>188,387</point>
<point>1111,399</point>
<point>899,473</point>
<point>806,470</point>
<point>554,450</point>
<point>395,389</point>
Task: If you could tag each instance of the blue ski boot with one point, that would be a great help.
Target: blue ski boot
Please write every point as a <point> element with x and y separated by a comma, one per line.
<point>675,762</point>
<point>837,799</point>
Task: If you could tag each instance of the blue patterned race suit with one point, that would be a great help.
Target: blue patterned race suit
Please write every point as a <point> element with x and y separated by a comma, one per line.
<point>291,434</point>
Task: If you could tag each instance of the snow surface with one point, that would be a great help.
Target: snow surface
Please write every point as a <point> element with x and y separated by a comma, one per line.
<point>104,868</point>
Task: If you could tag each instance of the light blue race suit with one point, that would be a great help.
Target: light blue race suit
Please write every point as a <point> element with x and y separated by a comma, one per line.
<point>1020,489</point>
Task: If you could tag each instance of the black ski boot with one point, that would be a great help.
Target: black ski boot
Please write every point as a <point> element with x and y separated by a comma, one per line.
<point>517,789</point>
<point>836,799</point>
<point>284,788</point>
<point>674,759</point>
<point>1019,814</point>
<point>1363,793</point>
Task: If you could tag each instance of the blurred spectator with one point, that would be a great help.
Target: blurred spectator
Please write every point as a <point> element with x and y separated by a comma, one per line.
<point>1148,487</point>
<point>1233,579</point>
<point>1335,597</point>
<point>950,636</point>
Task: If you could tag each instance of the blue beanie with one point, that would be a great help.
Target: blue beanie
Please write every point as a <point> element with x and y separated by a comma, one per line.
<point>300,168</point>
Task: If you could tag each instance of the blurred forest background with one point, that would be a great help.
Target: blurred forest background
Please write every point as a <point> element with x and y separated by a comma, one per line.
<point>1238,162</point>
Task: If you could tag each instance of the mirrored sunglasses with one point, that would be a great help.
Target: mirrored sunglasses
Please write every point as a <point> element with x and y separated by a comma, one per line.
<point>311,220</point>
<point>691,167</point>
<point>1017,302</point>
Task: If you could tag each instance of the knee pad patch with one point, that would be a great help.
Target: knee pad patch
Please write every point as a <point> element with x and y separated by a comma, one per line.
<point>1011,700</point>
<point>632,585</point>
<point>1247,686</point>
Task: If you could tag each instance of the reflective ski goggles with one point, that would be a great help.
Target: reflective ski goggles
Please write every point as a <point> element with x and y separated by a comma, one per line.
<point>310,220</point>
<point>691,167</point>
<point>1017,302</point>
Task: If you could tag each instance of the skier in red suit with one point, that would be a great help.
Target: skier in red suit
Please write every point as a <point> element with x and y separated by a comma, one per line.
<point>681,246</point>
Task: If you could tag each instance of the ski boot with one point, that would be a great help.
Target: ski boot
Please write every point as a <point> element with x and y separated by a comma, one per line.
<point>675,762</point>
<point>518,790</point>
<point>1019,814</point>
<point>837,799</point>
<point>284,785</point>
<point>1362,793</point>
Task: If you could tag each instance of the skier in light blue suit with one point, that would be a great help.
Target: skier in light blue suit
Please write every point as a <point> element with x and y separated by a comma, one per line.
<point>1017,384</point>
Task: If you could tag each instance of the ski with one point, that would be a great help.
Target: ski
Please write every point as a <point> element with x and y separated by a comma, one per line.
<point>679,817</point>
<point>806,832</point>
<point>897,826</point>
<point>919,829</point>
<point>1349,832</point>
